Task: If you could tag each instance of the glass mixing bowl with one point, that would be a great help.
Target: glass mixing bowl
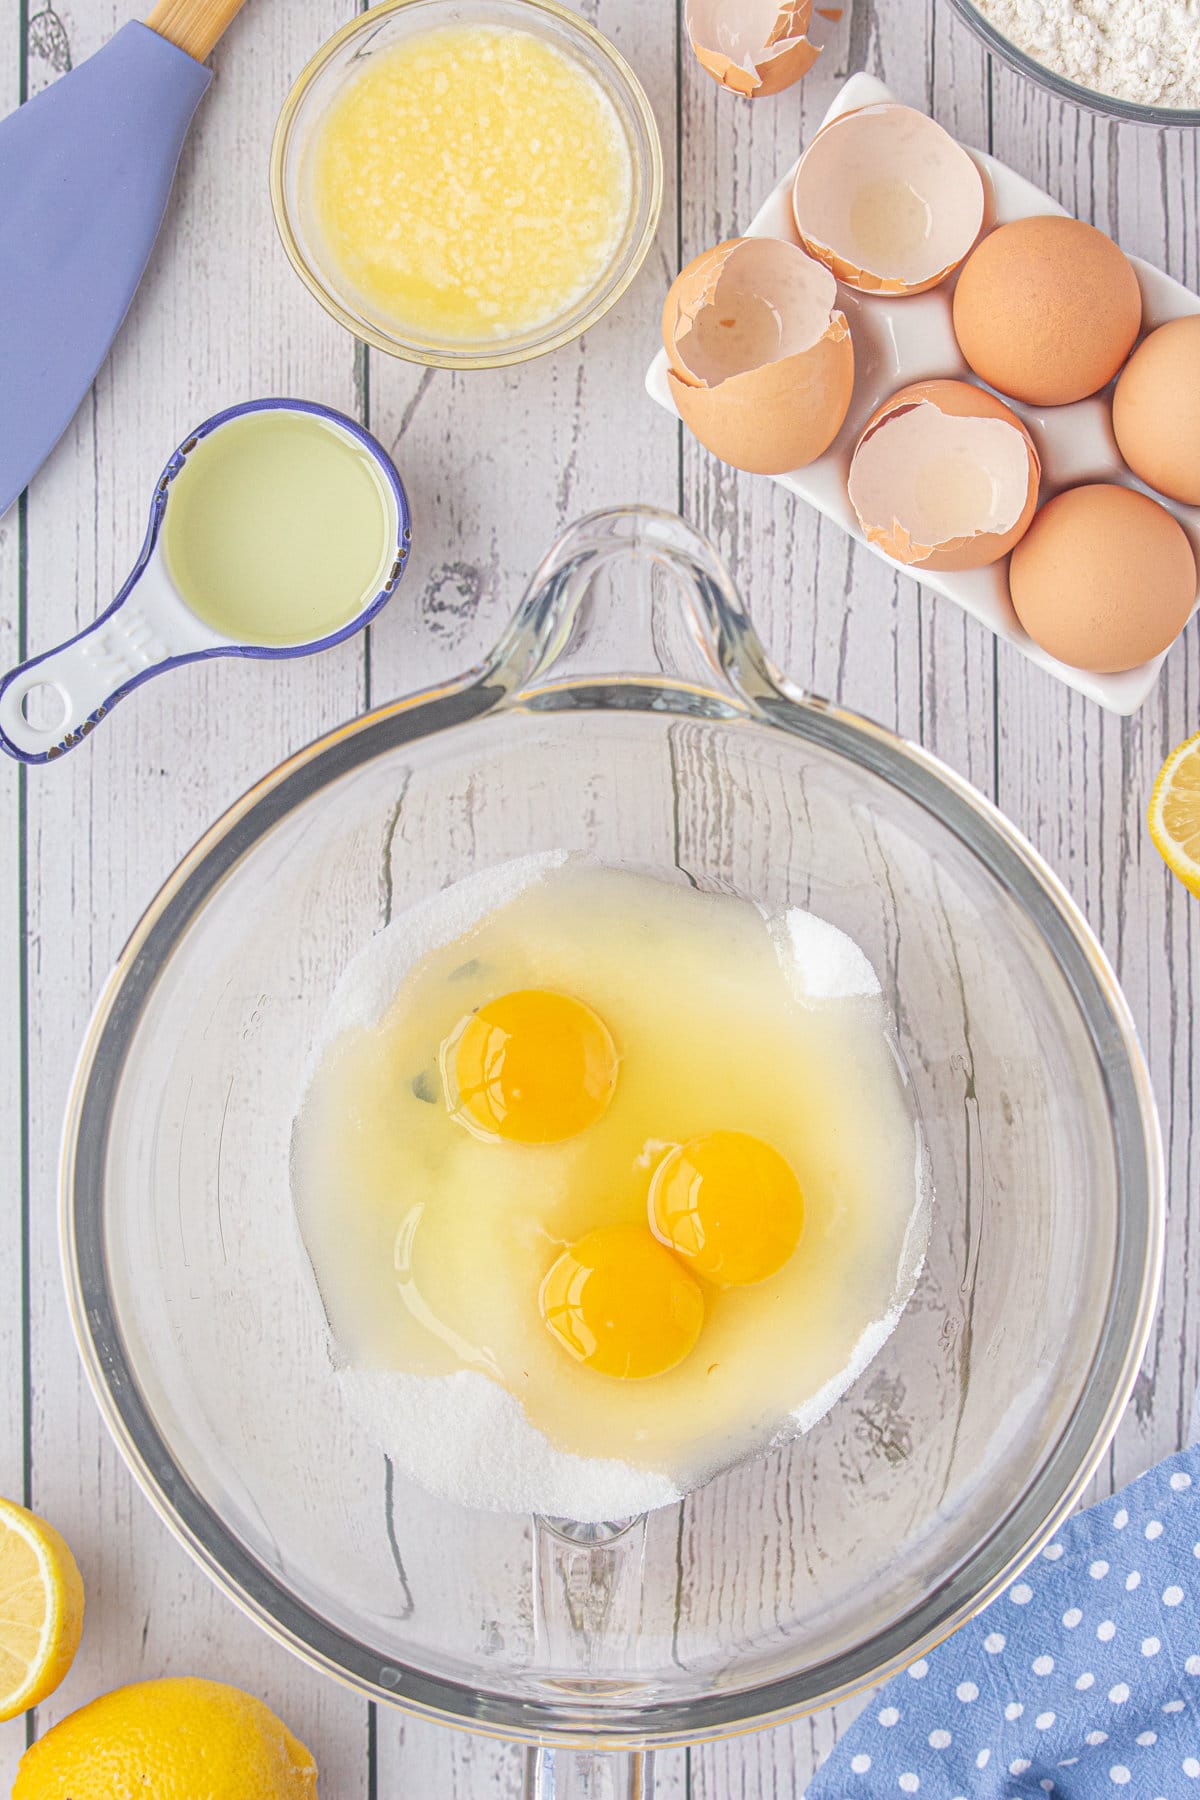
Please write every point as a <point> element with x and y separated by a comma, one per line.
<point>1108,104</point>
<point>628,712</point>
<point>342,58</point>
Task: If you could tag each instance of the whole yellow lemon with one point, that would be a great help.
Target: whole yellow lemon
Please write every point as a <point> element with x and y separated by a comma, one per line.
<point>174,1739</point>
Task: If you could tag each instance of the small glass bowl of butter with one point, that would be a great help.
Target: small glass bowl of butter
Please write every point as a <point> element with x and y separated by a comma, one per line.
<point>467,183</point>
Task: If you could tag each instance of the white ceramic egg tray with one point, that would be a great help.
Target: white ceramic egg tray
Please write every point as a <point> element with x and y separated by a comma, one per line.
<point>901,340</point>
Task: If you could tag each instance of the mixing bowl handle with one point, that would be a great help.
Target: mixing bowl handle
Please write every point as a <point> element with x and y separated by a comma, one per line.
<point>599,607</point>
<point>587,1594</point>
<point>589,1775</point>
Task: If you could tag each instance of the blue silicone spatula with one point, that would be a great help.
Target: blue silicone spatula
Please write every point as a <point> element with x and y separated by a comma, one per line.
<point>86,170</point>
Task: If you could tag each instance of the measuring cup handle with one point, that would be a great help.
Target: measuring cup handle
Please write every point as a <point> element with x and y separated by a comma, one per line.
<point>51,703</point>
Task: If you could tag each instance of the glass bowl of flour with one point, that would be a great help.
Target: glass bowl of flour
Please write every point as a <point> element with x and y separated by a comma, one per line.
<point>1139,60</point>
<point>629,716</point>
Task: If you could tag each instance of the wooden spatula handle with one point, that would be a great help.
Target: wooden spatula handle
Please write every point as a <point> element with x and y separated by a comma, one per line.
<point>194,25</point>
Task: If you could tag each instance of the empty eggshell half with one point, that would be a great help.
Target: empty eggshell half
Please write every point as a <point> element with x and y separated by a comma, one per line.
<point>752,47</point>
<point>760,362</point>
<point>945,476</point>
<point>887,200</point>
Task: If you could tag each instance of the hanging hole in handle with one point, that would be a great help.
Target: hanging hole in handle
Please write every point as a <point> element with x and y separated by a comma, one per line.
<point>45,707</point>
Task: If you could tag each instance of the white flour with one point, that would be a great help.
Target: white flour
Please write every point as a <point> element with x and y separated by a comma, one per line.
<point>1145,51</point>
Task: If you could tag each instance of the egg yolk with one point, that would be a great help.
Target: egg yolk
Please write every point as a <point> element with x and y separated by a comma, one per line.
<point>617,1301</point>
<point>533,1067</point>
<point>729,1204</point>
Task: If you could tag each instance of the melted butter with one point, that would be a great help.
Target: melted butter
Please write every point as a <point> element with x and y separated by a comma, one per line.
<point>473,182</point>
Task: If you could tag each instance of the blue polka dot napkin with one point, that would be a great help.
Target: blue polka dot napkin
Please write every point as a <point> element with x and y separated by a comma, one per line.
<point>1080,1680</point>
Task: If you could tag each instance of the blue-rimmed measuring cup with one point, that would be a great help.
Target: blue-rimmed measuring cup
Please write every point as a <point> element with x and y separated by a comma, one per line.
<point>277,528</point>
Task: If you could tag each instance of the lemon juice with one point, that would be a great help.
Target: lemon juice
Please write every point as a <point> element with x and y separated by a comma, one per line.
<point>279,529</point>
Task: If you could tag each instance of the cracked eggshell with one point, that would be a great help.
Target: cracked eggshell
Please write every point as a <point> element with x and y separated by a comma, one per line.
<point>888,200</point>
<point>944,476</point>
<point>760,361</point>
<point>752,47</point>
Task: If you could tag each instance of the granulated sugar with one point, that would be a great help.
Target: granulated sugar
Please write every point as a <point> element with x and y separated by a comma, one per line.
<point>466,1439</point>
<point>1143,51</point>
<point>821,962</point>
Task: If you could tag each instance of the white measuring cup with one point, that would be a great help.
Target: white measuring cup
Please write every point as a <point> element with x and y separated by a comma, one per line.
<point>52,702</point>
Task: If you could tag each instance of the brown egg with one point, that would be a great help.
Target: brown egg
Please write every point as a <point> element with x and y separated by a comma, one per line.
<point>1047,309</point>
<point>1156,410</point>
<point>761,366</point>
<point>944,477</point>
<point>752,47</point>
<point>1104,578</point>
<point>887,199</point>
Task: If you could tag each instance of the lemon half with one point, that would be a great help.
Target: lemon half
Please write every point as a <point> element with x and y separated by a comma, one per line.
<point>41,1609</point>
<point>1175,813</point>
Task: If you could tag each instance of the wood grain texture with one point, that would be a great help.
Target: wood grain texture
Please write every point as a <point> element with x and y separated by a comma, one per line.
<point>12,1068</point>
<point>496,464</point>
<point>873,640</point>
<point>196,26</point>
<point>103,830</point>
<point>1078,781</point>
<point>836,620</point>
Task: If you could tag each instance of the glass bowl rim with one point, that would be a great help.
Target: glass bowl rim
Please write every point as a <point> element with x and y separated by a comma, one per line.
<point>446,357</point>
<point>1109,105</point>
<point>1019,1531</point>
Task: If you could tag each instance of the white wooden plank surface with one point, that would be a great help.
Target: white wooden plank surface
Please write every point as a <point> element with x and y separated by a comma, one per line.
<point>12,961</point>
<point>836,620</point>
<point>1078,781</point>
<point>496,465</point>
<point>215,321</point>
